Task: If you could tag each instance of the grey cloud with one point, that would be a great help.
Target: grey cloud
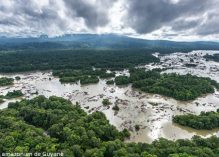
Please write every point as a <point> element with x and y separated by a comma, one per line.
<point>9,22</point>
<point>29,15</point>
<point>44,17</point>
<point>147,16</point>
<point>210,25</point>
<point>183,24</point>
<point>185,17</point>
<point>93,14</point>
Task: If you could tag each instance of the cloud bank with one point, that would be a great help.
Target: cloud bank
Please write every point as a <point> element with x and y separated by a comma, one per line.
<point>144,18</point>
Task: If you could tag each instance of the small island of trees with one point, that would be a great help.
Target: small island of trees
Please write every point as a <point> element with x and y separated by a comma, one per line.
<point>180,87</point>
<point>206,120</point>
<point>110,82</point>
<point>214,57</point>
<point>86,76</point>
<point>4,81</point>
<point>122,80</point>
<point>11,95</point>
<point>106,102</point>
<point>1,100</point>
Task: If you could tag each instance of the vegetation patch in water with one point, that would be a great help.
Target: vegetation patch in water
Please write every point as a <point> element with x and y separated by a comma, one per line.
<point>5,81</point>
<point>86,76</point>
<point>106,102</point>
<point>110,82</point>
<point>180,87</point>
<point>122,80</point>
<point>17,78</point>
<point>1,101</point>
<point>89,79</point>
<point>214,57</point>
<point>206,120</point>
<point>115,107</point>
<point>13,94</point>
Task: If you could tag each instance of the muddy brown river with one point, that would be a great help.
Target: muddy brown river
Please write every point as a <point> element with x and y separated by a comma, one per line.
<point>152,112</point>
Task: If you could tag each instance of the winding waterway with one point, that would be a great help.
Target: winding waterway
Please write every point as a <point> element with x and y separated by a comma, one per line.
<point>152,112</point>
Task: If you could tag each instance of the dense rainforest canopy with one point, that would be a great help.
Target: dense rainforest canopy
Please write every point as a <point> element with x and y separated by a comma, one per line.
<point>55,125</point>
<point>29,124</point>
<point>18,61</point>
<point>206,120</point>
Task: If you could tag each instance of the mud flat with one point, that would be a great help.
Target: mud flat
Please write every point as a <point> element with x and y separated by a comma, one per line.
<point>153,113</point>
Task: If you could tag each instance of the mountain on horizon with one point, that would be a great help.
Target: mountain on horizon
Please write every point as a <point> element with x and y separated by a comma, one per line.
<point>103,41</point>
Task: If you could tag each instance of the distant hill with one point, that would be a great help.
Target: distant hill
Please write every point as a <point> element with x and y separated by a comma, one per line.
<point>105,41</point>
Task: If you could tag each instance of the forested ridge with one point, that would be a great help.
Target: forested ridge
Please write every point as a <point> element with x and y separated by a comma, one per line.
<point>101,41</point>
<point>55,125</point>
<point>206,120</point>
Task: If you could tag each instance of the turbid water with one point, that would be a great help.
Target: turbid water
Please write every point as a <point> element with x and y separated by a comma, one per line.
<point>152,112</point>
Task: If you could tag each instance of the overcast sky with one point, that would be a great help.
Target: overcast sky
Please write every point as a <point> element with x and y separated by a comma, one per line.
<point>151,19</point>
